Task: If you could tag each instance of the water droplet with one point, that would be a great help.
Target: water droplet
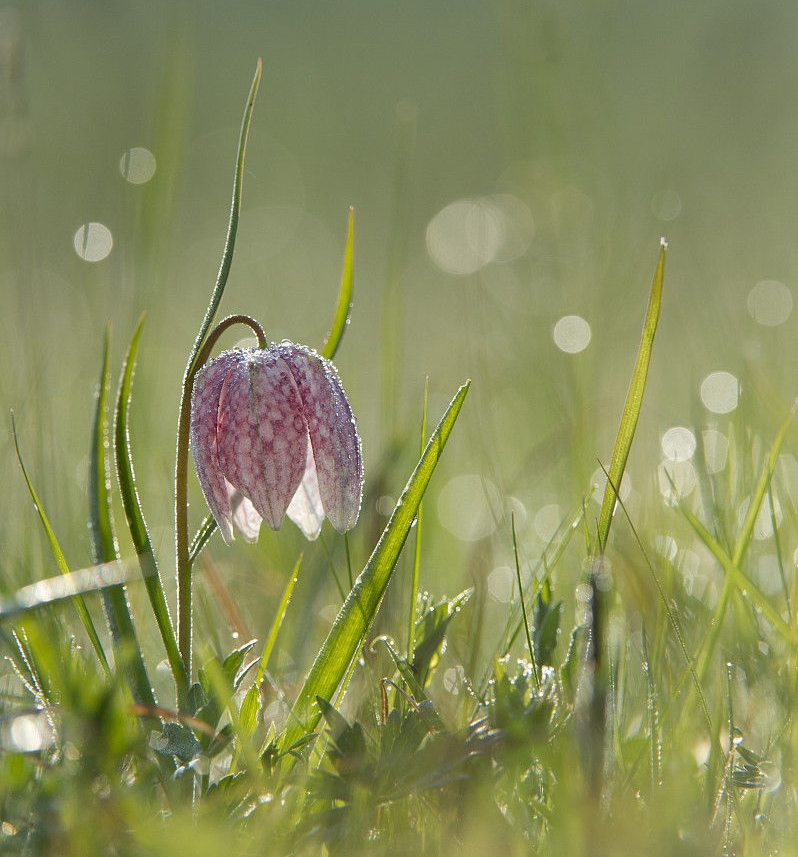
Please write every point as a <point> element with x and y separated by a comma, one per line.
<point>93,242</point>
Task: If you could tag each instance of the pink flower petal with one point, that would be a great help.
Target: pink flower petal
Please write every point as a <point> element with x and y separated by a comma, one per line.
<point>333,435</point>
<point>306,509</point>
<point>262,435</point>
<point>204,411</point>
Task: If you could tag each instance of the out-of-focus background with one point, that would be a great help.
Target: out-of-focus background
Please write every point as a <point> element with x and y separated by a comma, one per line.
<point>512,165</point>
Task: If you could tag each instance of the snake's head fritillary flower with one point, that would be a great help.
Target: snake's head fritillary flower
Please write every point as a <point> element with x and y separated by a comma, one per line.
<point>272,434</point>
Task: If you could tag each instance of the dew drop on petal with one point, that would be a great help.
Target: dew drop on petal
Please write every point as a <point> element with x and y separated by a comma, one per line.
<point>93,242</point>
<point>572,334</point>
<point>720,392</point>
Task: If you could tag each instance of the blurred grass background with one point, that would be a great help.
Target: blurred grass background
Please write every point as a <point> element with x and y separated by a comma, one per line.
<point>608,123</point>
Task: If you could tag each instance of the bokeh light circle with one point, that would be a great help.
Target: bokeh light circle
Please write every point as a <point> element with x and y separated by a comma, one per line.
<point>468,506</point>
<point>572,334</point>
<point>720,392</point>
<point>770,303</point>
<point>93,242</point>
<point>678,444</point>
<point>137,165</point>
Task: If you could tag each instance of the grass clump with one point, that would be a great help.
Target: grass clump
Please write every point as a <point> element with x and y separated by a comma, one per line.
<point>651,710</point>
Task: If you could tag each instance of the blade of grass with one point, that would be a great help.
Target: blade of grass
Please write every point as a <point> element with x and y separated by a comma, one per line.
<point>277,624</point>
<point>634,400</point>
<point>63,567</point>
<point>83,581</point>
<point>411,623</point>
<point>344,305</point>
<point>206,529</point>
<point>357,614</point>
<point>135,518</point>
<point>104,544</point>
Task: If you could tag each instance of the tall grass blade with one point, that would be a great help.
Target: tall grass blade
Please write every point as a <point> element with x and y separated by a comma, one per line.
<point>411,622</point>
<point>63,567</point>
<point>344,305</point>
<point>71,584</point>
<point>634,400</point>
<point>135,517</point>
<point>232,224</point>
<point>357,614</point>
<point>104,544</point>
<point>278,621</point>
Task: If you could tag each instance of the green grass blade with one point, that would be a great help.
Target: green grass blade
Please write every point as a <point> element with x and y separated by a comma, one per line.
<point>63,567</point>
<point>278,621</point>
<point>206,529</point>
<point>344,306</point>
<point>232,224</point>
<point>357,614</point>
<point>747,530</point>
<point>634,400</point>
<point>104,544</point>
<point>135,518</point>
<point>43,593</point>
<point>411,620</point>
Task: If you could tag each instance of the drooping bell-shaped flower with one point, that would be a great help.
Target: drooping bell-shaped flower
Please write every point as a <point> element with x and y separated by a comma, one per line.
<point>272,434</point>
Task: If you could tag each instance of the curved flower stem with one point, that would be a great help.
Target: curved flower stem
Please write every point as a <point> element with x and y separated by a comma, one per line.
<point>184,560</point>
<point>183,565</point>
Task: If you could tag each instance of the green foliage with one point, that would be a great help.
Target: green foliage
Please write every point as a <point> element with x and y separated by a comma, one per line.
<point>609,726</point>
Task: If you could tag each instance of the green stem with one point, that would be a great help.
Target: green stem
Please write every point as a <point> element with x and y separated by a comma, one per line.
<point>184,557</point>
<point>182,560</point>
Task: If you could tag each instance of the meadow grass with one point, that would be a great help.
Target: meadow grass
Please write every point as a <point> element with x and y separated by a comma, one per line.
<point>626,699</point>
